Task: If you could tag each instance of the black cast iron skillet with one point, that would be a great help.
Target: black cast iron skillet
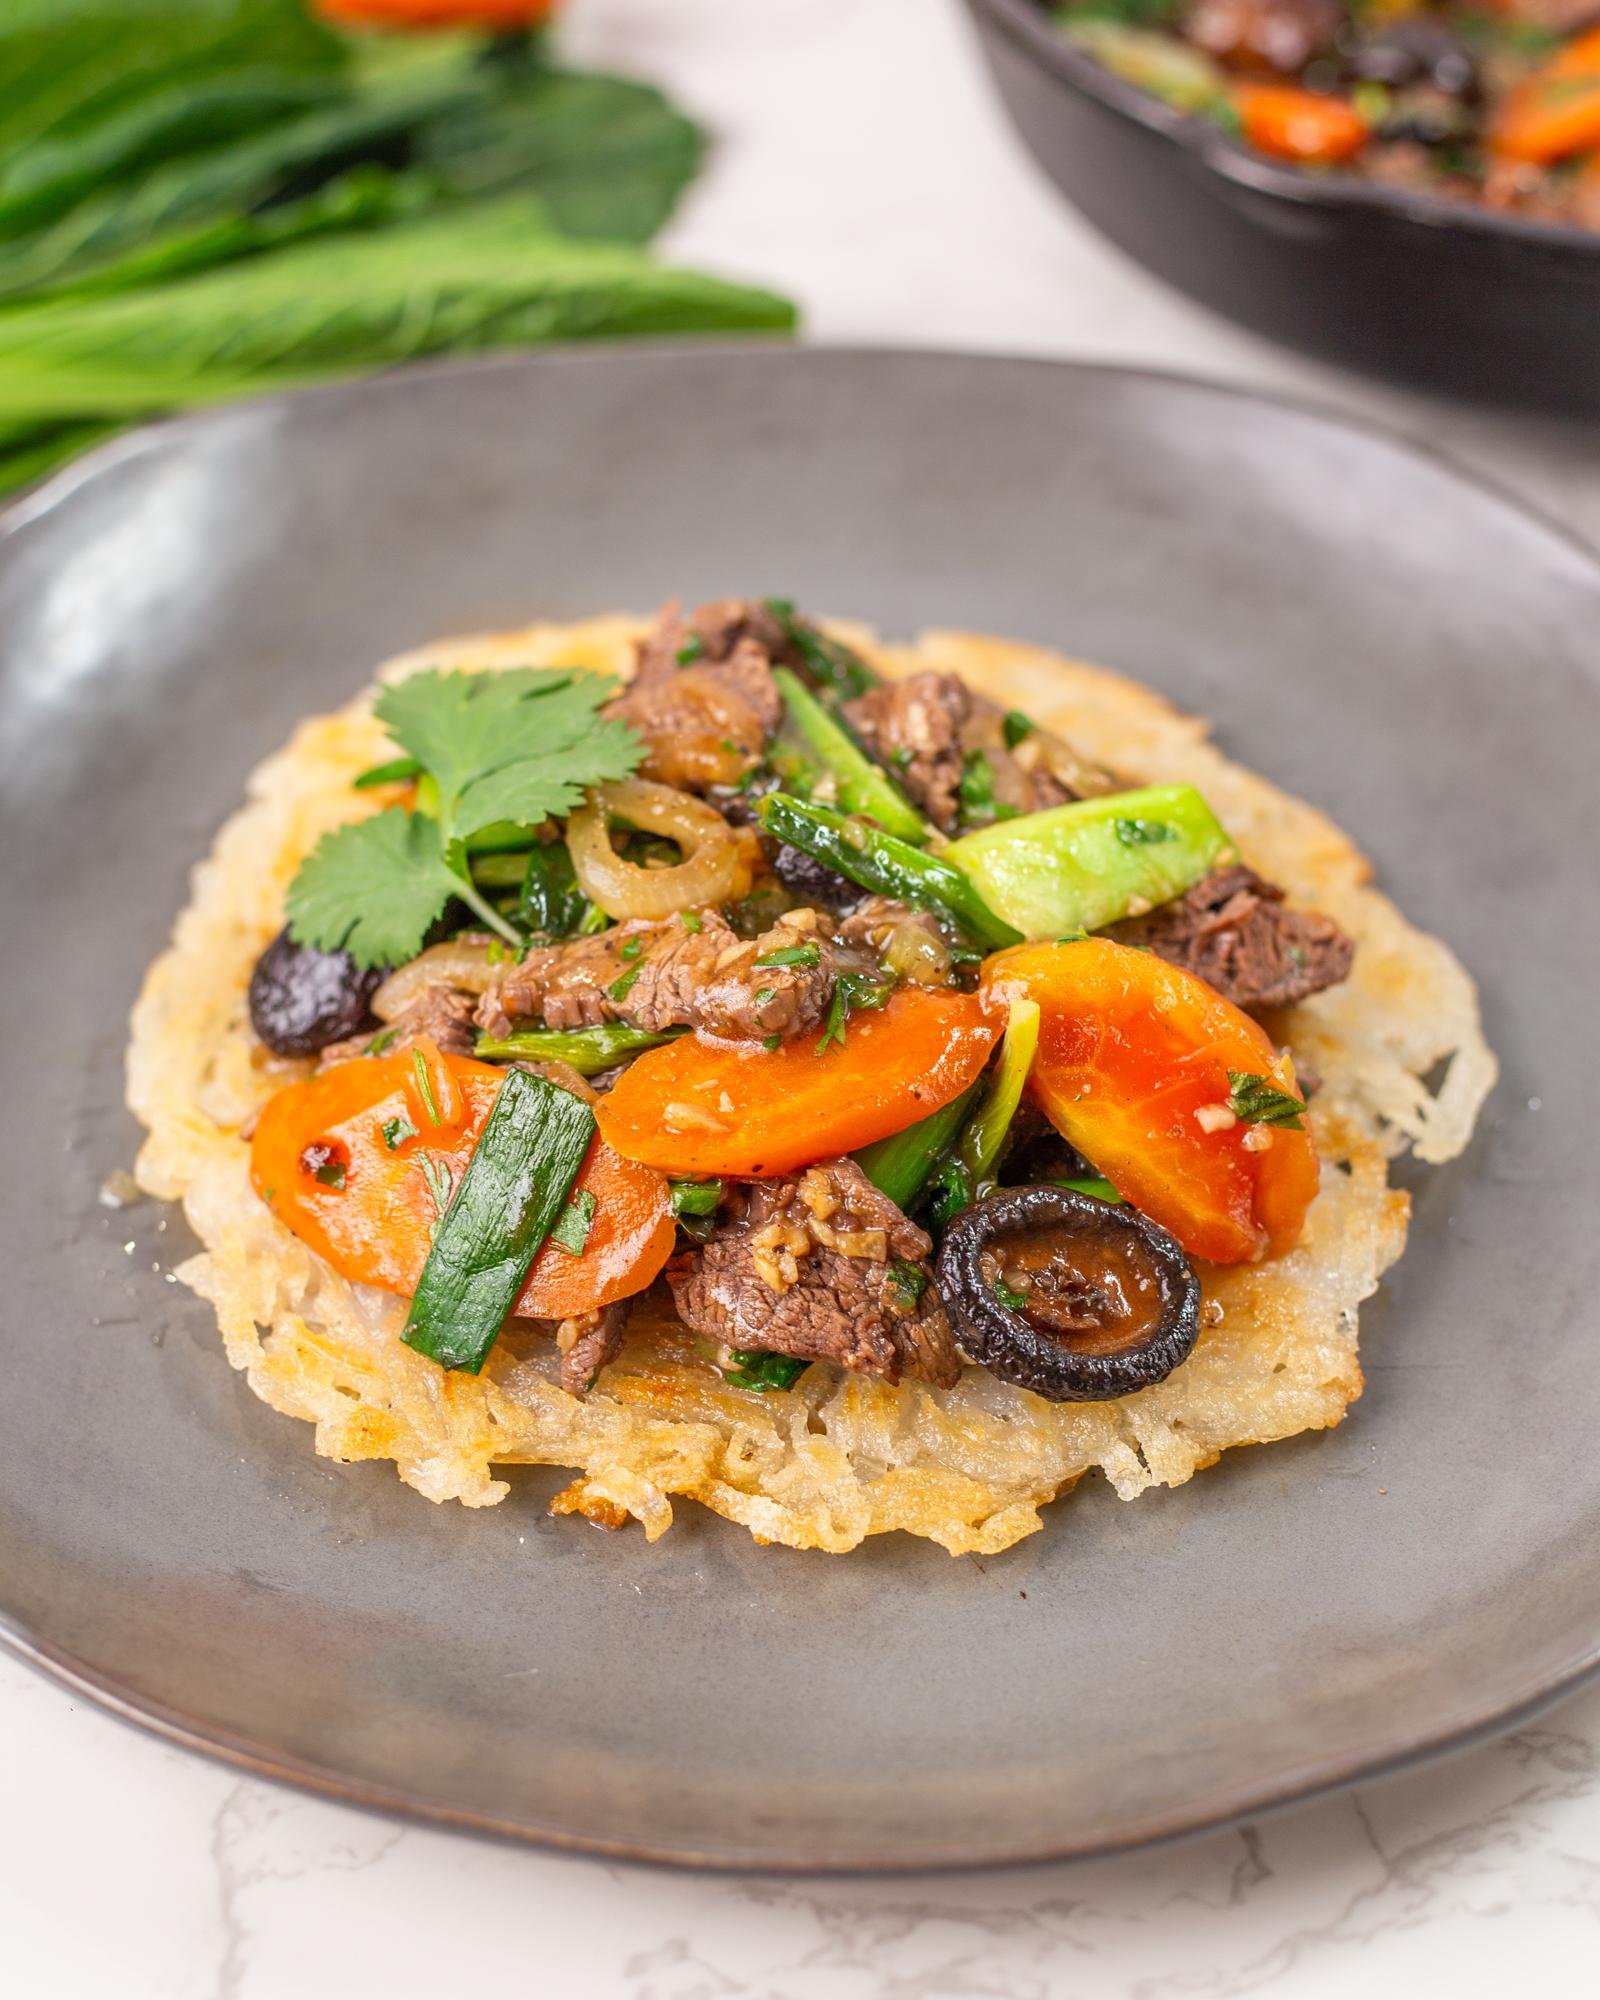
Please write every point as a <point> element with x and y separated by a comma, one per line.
<point>1435,294</point>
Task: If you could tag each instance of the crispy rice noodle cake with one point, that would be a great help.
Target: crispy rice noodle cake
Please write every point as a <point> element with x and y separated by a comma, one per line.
<point>838,1457</point>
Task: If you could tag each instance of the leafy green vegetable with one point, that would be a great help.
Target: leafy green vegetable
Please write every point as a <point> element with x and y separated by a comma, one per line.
<point>550,903</point>
<point>901,1165</point>
<point>829,662</point>
<point>521,745</point>
<point>862,787</point>
<point>491,277</point>
<point>1078,867</point>
<point>1255,1101</point>
<point>755,1368</point>
<point>515,1186</point>
<point>979,806</point>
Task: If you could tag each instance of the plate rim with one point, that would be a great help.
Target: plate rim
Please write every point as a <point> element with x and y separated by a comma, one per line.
<point>1311,1778</point>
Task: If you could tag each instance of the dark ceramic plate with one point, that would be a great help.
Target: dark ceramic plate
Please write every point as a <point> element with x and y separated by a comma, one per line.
<point>1438,294</point>
<point>1363,623</point>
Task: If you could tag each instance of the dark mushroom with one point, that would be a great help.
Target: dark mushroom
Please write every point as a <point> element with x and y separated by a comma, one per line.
<point>1414,52</point>
<point>301,1000</point>
<point>814,881</point>
<point>1076,1299</point>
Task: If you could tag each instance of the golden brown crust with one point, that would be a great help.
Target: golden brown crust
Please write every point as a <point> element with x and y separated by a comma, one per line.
<point>835,1459</point>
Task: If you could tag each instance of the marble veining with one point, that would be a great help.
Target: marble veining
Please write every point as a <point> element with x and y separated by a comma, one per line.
<point>131,1871</point>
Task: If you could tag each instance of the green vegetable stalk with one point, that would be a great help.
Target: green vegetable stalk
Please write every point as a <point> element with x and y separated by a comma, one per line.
<point>971,1162</point>
<point>862,787</point>
<point>587,1050</point>
<point>512,1194</point>
<point>876,860</point>
<point>901,1165</point>
<point>1082,866</point>
<point>829,662</point>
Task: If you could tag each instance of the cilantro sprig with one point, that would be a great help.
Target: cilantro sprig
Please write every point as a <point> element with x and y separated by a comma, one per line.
<point>515,747</point>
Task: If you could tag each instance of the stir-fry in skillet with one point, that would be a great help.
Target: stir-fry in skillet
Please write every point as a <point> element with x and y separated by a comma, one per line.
<point>833,1093</point>
<point>1498,104</point>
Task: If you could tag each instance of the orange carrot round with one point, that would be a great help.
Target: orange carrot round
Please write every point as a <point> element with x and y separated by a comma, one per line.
<point>1556,112</point>
<point>352,1162</point>
<point>697,1106</point>
<point>1135,1065</point>
<point>1298,124</point>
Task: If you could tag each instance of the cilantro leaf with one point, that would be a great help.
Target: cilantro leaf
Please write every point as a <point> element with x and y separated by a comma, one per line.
<point>372,888</point>
<point>1255,1101</point>
<point>522,744</point>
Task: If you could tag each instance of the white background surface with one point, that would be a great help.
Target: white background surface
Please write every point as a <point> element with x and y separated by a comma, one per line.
<point>864,168</point>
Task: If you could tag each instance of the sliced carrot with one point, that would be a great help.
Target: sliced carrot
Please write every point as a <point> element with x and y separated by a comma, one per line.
<point>1134,1068</point>
<point>1555,112</point>
<point>701,1107</point>
<point>1299,124</point>
<point>353,1161</point>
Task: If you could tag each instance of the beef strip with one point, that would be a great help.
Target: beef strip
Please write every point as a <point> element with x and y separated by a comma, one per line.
<point>703,698</point>
<point>931,731</point>
<point>588,1341</point>
<point>823,1267</point>
<point>441,1014</point>
<point>707,978</point>
<point>1235,931</point>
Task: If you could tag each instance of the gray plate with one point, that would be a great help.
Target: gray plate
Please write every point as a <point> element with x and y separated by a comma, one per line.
<point>1364,624</point>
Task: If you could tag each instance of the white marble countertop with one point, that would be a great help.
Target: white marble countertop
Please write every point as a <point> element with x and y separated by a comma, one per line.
<point>864,167</point>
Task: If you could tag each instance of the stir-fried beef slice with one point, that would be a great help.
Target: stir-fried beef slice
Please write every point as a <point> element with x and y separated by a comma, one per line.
<point>1235,931</point>
<point>822,1267</point>
<point>703,697</point>
<point>690,978</point>
<point>441,1014</point>
<point>711,634</point>
<point>913,728</point>
<point>934,733</point>
<point>588,1341</point>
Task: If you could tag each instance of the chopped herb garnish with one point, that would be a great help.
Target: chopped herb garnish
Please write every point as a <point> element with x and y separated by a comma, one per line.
<point>1013,1301</point>
<point>694,1197</point>
<point>619,989</point>
<point>1016,727</point>
<point>908,1283</point>
<point>690,921</point>
<point>852,992</point>
<point>733,749</point>
<point>976,791</point>
<point>571,1231</point>
<point>763,995</point>
<point>269,1195</point>
<point>902,757</point>
<point>419,1063</point>
<point>1297,954</point>
<point>828,661</point>
<point>1254,1101</point>
<point>501,750</point>
<point>690,650</point>
<point>380,1042</point>
<point>1072,937</point>
<point>1143,832</point>
<point>755,1368</point>
<point>396,1131</point>
<point>332,1174</point>
<point>792,954</point>
<point>398,771</point>
<point>437,1175</point>
<point>772,1043</point>
<point>630,949</point>
<point>495,952</point>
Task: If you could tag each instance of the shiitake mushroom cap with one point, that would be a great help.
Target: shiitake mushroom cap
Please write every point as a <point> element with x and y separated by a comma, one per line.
<point>302,999</point>
<point>1011,1345</point>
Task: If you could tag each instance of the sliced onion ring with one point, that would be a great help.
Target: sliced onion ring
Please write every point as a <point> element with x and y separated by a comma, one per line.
<point>717,864</point>
<point>459,962</point>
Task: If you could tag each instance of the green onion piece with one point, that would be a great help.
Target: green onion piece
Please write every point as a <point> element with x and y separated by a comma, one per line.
<point>1100,1188</point>
<point>571,1229</point>
<point>690,650</point>
<point>332,1174</point>
<point>853,992</point>
<point>690,921</point>
<point>755,1368</point>
<point>515,1186</point>
<point>876,860</point>
<point>587,1050</point>
<point>499,871</point>
<point>1007,1296</point>
<point>984,1134</point>
<point>909,1283</point>
<point>380,1041</point>
<point>1016,727</point>
<point>1255,1101</point>
<point>396,1131</point>
<point>1081,866</point>
<point>862,787</point>
<point>805,955</point>
<point>398,771</point>
<point>829,662</point>
<point>900,1165</point>
<point>419,1063</point>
